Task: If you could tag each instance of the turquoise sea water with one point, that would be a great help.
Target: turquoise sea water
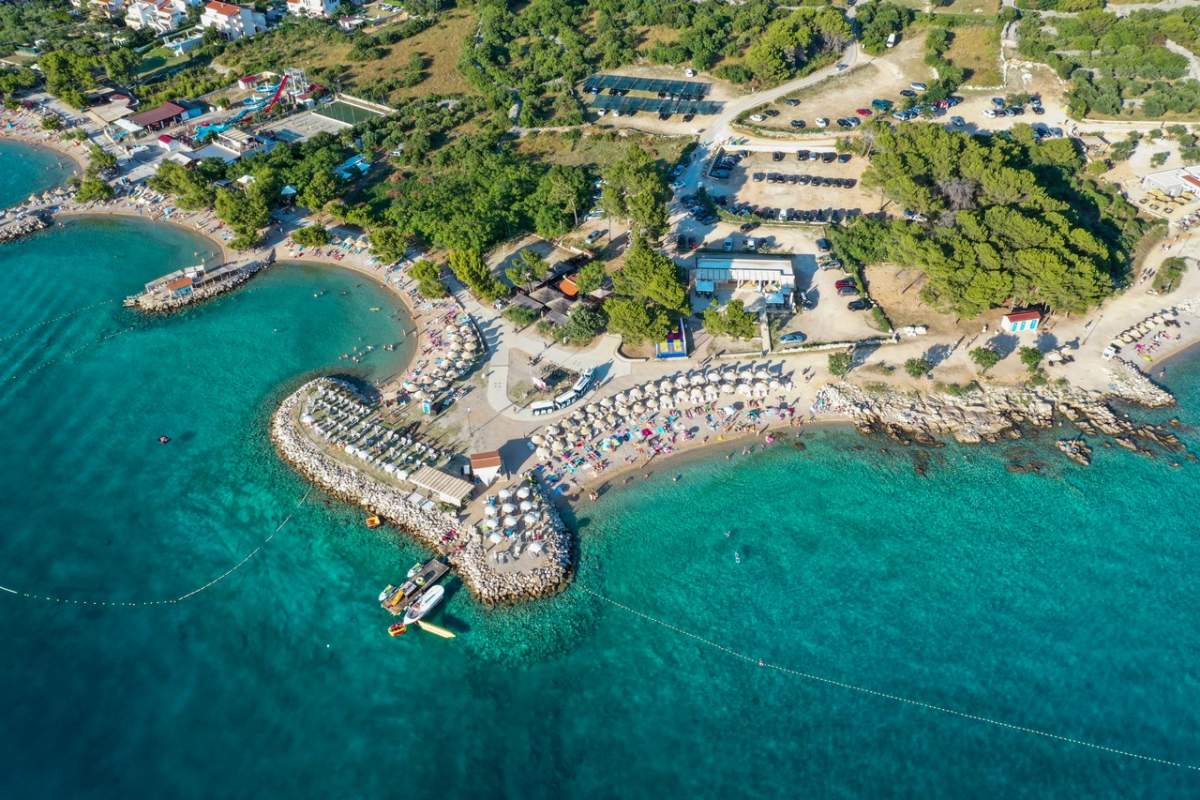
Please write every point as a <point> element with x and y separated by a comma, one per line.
<point>27,169</point>
<point>1063,601</point>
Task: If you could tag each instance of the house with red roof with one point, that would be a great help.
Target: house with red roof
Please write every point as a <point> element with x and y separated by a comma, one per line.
<point>232,21</point>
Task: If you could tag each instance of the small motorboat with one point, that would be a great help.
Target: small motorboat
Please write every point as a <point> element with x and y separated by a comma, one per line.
<point>737,557</point>
<point>375,308</point>
<point>397,629</point>
<point>424,604</point>
<point>414,569</point>
<point>373,521</point>
<point>387,590</point>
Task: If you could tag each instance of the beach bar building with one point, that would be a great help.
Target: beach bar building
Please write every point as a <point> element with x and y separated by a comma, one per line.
<point>442,486</point>
<point>770,279</point>
<point>1021,321</point>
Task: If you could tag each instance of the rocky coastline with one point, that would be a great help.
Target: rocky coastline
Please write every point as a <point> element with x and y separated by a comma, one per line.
<point>998,413</point>
<point>23,226</point>
<point>440,531</point>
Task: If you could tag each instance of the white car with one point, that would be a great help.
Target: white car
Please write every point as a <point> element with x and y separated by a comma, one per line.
<point>917,86</point>
<point>842,67</point>
<point>822,122</point>
<point>691,73</point>
<point>757,118</point>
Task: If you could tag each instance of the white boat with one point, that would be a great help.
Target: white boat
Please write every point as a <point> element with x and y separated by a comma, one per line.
<point>424,604</point>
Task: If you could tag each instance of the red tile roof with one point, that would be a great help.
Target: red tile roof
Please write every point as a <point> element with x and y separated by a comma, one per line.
<point>1021,316</point>
<point>179,283</point>
<point>224,9</point>
<point>486,460</point>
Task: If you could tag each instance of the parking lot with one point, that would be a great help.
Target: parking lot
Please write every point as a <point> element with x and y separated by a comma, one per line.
<point>803,186</point>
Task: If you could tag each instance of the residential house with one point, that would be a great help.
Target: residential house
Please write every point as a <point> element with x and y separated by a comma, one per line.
<point>161,16</point>
<point>231,21</point>
<point>312,8</point>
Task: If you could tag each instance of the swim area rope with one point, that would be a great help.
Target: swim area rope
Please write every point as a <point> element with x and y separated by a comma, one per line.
<point>808,676</point>
<point>170,600</point>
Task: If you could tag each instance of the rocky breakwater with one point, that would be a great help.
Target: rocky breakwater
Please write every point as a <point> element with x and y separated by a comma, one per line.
<point>434,528</point>
<point>994,414</point>
<point>23,226</point>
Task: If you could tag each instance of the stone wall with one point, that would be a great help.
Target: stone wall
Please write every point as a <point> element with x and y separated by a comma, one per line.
<point>432,528</point>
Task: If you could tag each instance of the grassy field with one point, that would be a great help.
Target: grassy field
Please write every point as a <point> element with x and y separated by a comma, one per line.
<point>976,48</point>
<point>980,8</point>
<point>600,149</point>
<point>440,45</point>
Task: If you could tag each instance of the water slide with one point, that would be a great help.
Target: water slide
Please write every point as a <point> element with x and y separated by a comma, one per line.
<point>205,131</point>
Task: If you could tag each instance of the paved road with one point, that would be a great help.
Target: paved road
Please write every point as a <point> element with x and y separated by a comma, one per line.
<point>720,128</point>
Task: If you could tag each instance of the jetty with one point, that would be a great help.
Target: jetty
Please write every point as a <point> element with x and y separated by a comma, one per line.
<point>396,599</point>
<point>14,229</point>
<point>191,285</point>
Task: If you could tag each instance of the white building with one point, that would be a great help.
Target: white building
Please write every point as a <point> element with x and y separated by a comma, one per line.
<point>232,22</point>
<point>312,8</point>
<point>1174,182</point>
<point>772,278</point>
<point>161,16</point>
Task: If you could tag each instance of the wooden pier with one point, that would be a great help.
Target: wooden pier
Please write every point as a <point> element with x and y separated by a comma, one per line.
<point>397,599</point>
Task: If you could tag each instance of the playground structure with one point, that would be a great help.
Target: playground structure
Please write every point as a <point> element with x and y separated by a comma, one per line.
<point>292,85</point>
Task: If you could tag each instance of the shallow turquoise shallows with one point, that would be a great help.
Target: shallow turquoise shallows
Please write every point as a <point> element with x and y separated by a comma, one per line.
<point>1064,601</point>
<point>25,170</point>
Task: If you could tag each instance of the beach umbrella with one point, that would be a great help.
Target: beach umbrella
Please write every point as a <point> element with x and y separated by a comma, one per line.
<point>490,511</point>
<point>727,387</point>
<point>494,537</point>
<point>760,389</point>
<point>635,394</point>
<point>537,439</point>
<point>775,385</point>
<point>638,409</point>
<point>510,521</point>
<point>491,524</point>
<point>665,385</point>
<point>504,494</point>
<point>713,377</point>
<point>697,395</point>
<point>523,493</point>
<point>606,402</point>
<point>542,454</point>
<point>681,381</point>
<point>744,389</point>
<point>508,508</point>
<point>761,374</point>
<point>526,505</point>
<point>557,445</point>
<point>531,519</point>
<point>592,408</point>
<point>535,547</point>
<point>552,430</point>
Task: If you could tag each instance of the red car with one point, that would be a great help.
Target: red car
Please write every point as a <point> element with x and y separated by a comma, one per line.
<point>863,112</point>
<point>844,283</point>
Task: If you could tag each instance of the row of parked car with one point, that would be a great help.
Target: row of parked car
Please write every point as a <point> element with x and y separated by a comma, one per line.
<point>820,215</point>
<point>804,180</point>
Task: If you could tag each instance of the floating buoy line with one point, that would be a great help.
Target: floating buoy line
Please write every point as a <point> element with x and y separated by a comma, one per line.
<point>808,676</point>
<point>168,601</point>
<point>62,316</point>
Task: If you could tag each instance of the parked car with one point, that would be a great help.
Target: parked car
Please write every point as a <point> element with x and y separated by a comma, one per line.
<point>847,291</point>
<point>770,112</point>
<point>747,227</point>
<point>843,158</point>
<point>863,112</point>
<point>777,156</point>
<point>801,155</point>
<point>791,101</point>
<point>822,122</point>
<point>958,122</point>
<point>797,123</point>
<point>843,283</point>
<point>881,105</point>
<point>757,118</point>
<point>907,93</point>
<point>794,337</point>
<point>917,86</point>
<point>758,177</point>
<point>861,304</point>
<point>843,67</point>
<point>728,244</point>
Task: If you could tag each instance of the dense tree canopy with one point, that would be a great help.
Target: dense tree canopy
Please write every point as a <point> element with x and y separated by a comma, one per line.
<point>1009,220</point>
<point>634,190</point>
